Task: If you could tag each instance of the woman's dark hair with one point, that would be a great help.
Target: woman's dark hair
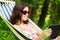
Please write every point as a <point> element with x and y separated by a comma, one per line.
<point>17,12</point>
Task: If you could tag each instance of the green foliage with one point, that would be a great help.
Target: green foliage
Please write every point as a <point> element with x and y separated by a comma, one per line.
<point>59,34</point>
<point>5,33</point>
<point>17,1</point>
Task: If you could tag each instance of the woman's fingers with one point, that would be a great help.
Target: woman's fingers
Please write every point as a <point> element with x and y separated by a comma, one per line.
<point>48,32</point>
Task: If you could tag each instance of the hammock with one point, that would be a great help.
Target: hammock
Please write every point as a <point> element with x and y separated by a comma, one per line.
<point>6,8</point>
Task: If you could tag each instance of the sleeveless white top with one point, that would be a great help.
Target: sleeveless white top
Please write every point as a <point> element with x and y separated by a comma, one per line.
<point>30,33</point>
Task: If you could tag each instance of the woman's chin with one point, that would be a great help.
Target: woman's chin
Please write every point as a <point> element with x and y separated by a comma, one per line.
<point>25,19</point>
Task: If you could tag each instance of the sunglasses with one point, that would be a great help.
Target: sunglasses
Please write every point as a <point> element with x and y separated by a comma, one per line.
<point>24,12</point>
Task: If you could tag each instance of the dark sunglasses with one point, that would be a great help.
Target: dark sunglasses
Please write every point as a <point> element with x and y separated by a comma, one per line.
<point>24,12</point>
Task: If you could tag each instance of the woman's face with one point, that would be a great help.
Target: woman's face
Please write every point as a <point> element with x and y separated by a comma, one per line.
<point>25,14</point>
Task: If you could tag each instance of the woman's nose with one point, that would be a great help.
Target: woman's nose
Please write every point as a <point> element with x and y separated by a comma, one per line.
<point>27,14</point>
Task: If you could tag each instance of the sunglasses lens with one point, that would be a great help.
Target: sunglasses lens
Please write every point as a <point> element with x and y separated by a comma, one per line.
<point>24,12</point>
<point>28,12</point>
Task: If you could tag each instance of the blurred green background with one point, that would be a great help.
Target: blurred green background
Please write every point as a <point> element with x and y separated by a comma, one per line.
<point>42,12</point>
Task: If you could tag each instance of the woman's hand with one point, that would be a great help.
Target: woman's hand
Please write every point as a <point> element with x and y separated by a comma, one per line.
<point>48,32</point>
<point>44,34</point>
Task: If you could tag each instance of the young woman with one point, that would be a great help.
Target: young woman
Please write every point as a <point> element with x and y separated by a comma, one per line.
<point>19,19</point>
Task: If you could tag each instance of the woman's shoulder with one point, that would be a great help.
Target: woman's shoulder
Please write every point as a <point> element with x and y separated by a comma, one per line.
<point>17,28</point>
<point>30,24</point>
<point>15,25</point>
